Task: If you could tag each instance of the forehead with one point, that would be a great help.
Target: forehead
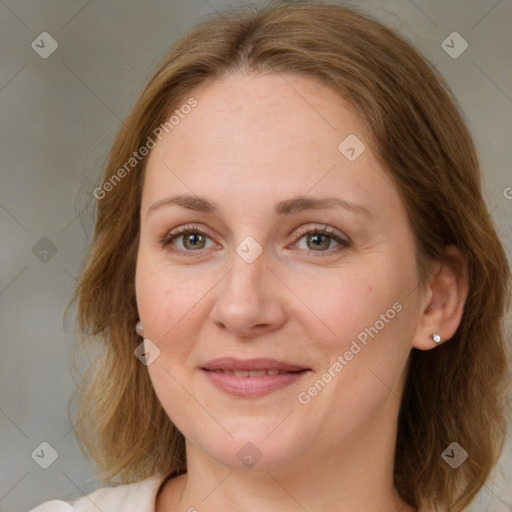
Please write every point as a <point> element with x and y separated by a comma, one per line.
<point>236,114</point>
<point>264,135</point>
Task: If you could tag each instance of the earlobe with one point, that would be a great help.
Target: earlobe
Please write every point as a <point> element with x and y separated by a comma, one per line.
<point>436,338</point>
<point>445,298</point>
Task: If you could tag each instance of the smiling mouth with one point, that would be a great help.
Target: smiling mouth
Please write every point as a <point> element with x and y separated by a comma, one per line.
<point>253,377</point>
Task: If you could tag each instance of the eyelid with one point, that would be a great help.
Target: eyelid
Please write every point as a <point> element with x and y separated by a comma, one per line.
<point>326,229</point>
<point>174,233</point>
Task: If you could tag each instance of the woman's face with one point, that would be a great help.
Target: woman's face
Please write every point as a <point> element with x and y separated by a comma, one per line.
<point>325,321</point>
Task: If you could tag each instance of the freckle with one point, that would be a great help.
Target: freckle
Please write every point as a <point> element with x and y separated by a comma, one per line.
<point>370,289</point>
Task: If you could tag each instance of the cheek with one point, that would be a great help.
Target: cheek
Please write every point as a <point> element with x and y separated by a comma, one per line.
<point>166,298</point>
<point>370,317</point>
<point>166,304</point>
<point>343,302</point>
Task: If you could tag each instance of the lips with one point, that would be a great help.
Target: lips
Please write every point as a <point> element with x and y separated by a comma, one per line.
<point>251,365</point>
<point>252,377</point>
<point>252,373</point>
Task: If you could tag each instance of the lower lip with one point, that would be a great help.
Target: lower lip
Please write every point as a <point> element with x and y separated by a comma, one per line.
<point>250,387</point>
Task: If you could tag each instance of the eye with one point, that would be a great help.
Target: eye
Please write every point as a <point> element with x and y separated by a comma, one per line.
<point>320,240</point>
<point>192,240</point>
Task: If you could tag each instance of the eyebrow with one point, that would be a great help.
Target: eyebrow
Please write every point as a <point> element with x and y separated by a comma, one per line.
<point>283,208</point>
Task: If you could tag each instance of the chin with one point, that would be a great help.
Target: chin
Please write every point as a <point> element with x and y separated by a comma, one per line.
<point>253,455</point>
<point>256,447</point>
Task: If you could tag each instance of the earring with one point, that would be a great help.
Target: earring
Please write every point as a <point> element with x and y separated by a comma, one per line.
<point>139,329</point>
<point>436,338</point>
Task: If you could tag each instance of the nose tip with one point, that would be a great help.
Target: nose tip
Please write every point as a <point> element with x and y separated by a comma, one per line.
<point>248,303</point>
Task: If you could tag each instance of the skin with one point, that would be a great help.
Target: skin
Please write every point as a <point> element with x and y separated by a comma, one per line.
<point>252,141</point>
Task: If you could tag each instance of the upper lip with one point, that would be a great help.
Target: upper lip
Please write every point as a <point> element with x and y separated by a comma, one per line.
<point>230,363</point>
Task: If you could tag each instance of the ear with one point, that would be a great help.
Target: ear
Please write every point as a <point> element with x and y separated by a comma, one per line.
<point>445,296</point>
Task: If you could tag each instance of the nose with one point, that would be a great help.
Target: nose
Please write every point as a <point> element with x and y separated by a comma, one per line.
<point>250,299</point>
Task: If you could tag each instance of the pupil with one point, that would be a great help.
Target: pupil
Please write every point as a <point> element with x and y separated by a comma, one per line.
<point>317,238</point>
<point>194,239</point>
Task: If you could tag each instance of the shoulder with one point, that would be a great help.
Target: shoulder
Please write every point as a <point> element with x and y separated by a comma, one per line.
<point>137,497</point>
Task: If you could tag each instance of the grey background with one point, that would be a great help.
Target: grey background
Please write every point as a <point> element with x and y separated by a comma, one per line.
<point>59,116</point>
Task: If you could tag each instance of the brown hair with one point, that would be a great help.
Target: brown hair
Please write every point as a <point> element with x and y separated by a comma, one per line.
<point>452,393</point>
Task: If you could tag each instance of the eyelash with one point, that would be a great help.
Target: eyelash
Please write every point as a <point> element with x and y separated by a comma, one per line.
<point>193,229</point>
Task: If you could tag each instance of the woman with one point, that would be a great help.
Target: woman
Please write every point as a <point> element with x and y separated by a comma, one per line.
<point>295,281</point>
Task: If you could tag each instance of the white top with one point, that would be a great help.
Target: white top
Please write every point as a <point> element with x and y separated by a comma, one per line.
<point>136,497</point>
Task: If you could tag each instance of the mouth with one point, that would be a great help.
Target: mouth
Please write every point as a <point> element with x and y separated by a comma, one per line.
<point>252,378</point>
<point>253,373</point>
